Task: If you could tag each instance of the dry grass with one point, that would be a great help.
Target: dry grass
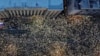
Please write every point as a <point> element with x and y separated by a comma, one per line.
<point>57,49</point>
<point>9,50</point>
<point>97,50</point>
<point>75,36</point>
<point>77,19</point>
<point>37,23</point>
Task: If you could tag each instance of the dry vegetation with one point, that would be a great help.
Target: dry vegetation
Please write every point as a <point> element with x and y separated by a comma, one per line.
<point>74,36</point>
